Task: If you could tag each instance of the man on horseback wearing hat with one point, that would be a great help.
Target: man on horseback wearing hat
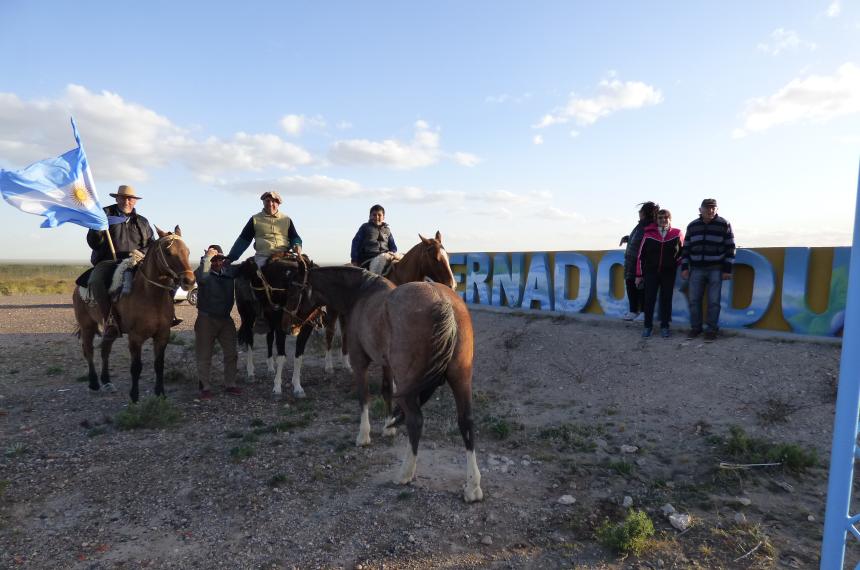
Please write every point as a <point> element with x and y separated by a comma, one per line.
<point>271,231</point>
<point>131,235</point>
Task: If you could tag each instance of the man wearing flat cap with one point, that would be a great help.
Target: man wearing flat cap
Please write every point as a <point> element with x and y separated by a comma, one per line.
<point>130,232</point>
<point>270,230</point>
<point>707,260</point>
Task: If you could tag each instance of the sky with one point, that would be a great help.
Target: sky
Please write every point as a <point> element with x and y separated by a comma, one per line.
<point>507,126</point>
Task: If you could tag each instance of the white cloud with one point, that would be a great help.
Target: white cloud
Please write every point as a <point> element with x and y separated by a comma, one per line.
<point>125,140</point>
<point>466,159</point>
<point>507,98</point>
<point>423,150</point>
<point>506,197</point>
<point>816,98</point>
<point>553,213</point>
<point>574,134</point>
<point>834,9</point>
<point>537,139</point>
<point>613,95</point>
<point>782,40</point>
<point>319,186</point>
<point>296,124</point>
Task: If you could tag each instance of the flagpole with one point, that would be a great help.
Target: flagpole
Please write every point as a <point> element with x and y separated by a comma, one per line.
<point>110,243</point>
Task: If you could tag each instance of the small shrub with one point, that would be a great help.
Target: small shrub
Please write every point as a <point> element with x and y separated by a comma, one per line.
<point>621,467</point>
<point>97,431</point>
<point>4,484</point>
<point>288,424</point>
<point>241,452</point>
<point>630,536</point>
<point>776,411</point>
<point>499,427</point>
<point>151,413</point>
<point>250,437</point>
<point>16,450</point>
<point>54,370</point>
<point>404,495</point>
<point>278,480</point>
<point>264,430</point>
<point>742,448</point>
<point>234,434</point>
<point>176,339</point>
<point>377,408</point>
<point>175,376</point>
<point>257,422</point>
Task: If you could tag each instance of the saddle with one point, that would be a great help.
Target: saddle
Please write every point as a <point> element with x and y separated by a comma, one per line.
<point>122,277</point>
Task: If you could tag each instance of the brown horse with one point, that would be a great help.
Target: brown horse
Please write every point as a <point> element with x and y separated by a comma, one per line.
<point>421,335</point>
<point>145,313</point>
<point>427,260</point>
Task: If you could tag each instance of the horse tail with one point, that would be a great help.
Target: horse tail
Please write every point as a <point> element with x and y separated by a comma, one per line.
<point>443,342</point>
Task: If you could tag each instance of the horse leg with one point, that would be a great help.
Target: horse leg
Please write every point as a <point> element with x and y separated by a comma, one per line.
<point>270,360</point>
<point>344,352</point>
<point>330,329</point>
<point>414,425</point>
<point>107,344</point>
<point>87,335</point>
<point>301,343</point>
<point>388,428</point>
<point>134,350</point>
<point>281,341</point>
<point>460,380</point>
<point>249,359</point>
<point>359,375</point>
<point>159,349</point>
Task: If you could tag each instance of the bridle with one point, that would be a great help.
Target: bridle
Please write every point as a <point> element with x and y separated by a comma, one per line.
<point>164,266</point>
<point>304,289</point>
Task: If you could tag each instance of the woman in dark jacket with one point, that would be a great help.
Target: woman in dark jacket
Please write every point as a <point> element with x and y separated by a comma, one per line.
<point>656,266</point>
<point>635,297</point>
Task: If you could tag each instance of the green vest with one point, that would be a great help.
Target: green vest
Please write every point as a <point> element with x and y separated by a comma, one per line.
<point>270,232</point>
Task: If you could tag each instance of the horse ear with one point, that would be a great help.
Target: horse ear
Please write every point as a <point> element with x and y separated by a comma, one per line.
<point>178,232</point>
<point>161,234</point>
<point>424,239</point>
<point>438,236</point>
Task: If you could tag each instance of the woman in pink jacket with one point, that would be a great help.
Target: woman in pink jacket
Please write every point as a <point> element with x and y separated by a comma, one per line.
<point>656,267</point>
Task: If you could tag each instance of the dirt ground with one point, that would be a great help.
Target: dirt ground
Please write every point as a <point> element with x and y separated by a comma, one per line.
<point>260,482</point>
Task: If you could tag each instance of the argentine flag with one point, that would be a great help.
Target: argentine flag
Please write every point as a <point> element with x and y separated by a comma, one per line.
<point>60,189</point>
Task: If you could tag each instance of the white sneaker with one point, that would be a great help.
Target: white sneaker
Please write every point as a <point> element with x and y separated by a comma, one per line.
<point>639,317</point>
<point>628,316</point>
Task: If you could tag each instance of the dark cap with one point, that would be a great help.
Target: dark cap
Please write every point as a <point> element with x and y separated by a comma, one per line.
<point>273,195</point>
<point>218,256</point>
<point>708,202</point>
<point>216,248</point>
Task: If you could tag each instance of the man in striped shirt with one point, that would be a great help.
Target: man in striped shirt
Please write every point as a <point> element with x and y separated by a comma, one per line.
<point>707,260</point>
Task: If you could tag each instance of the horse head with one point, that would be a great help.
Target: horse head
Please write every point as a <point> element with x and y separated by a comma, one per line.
<point>286,287</point>
<point>171,258</point>
<point>434,261</point>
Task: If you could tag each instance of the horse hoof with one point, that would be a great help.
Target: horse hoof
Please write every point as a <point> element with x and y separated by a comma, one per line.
<point>329,369</point>
<point>362,441</point>
<point>473,495</point>
<point>277,391</point>
<point>300,393</point>
<point>109,387</point>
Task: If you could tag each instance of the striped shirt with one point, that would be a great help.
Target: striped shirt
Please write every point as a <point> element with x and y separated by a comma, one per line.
<point>709,245</point>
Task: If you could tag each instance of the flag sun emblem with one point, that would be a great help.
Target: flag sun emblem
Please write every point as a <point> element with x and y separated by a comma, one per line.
<point>81,196</point>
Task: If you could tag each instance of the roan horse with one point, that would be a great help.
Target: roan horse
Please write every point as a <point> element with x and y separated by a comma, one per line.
<point>146,312</point>
<point>421,335</point>
<point>427,260</point>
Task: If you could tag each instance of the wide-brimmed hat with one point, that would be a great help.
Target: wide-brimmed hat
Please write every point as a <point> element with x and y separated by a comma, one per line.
<point>273,195</point>
<point>126,191</point>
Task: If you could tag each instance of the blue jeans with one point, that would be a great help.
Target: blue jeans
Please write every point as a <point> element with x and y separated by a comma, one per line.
<point>712,278</point>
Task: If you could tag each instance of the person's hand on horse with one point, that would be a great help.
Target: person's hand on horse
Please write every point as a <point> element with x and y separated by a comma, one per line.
<point>211,252</point>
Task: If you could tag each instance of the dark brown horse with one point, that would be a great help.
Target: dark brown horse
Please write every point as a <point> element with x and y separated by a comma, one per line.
<point>427,260</point>
<point>421,335</point>
<point>146,312</point>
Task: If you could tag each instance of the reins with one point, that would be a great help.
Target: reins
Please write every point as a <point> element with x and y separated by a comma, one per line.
<point>161,259</point>
<point>268,288</point>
